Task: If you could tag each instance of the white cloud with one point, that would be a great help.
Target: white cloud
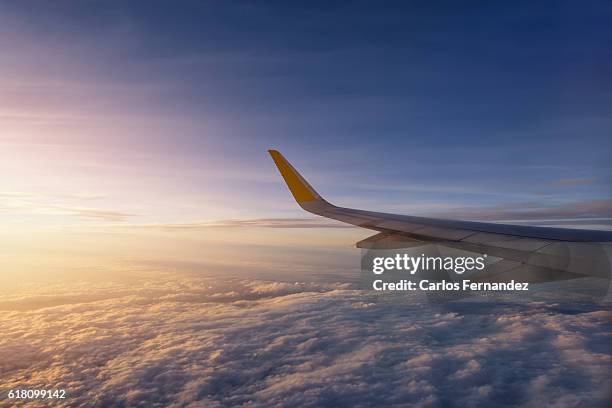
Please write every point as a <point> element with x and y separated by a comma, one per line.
<point>190,341</point>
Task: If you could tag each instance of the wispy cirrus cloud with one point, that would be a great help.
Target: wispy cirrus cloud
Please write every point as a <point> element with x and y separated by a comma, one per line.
<point>24,194</point>
<point>59,204</point>
<point>586,214</point>
<point>533,211</point>
<point>92,213</point>
<point>571,182</point>
<point>297,222</point>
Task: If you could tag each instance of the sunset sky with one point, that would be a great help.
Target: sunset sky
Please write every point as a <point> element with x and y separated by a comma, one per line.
<point>151,253</point>
<point>126,117</point>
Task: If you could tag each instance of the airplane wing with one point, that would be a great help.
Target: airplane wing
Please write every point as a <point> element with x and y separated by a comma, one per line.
<point>534,254</point>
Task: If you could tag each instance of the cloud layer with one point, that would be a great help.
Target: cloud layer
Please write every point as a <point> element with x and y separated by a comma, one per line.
<point>290,222</point>
<point>534,211</point>
<point>186,341</point>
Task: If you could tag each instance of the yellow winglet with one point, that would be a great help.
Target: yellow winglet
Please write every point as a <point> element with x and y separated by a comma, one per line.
<point>301,190</point>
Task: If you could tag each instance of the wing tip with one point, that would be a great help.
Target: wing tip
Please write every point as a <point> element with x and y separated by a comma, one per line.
<point>299,187</point>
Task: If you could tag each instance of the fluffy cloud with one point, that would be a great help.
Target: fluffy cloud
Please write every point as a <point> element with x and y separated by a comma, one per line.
<point>186,341</point>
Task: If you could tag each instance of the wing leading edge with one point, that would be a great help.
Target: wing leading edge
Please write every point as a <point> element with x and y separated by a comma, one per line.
<point>568,252</point>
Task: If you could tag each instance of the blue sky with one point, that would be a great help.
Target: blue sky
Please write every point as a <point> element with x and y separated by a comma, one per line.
<point>415,107</point>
